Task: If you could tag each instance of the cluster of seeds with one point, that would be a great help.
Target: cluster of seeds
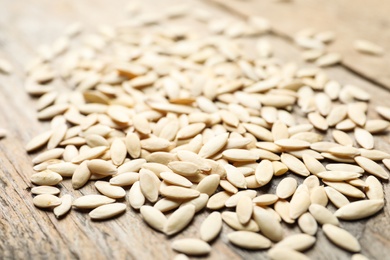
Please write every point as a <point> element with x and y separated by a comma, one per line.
<point>178,120</point>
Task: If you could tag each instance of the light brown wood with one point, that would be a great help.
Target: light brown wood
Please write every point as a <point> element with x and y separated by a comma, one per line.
<point>350,22</point>
<point>29,233</point>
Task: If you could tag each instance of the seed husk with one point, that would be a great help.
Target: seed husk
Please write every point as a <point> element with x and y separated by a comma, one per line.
<point>46,201</point>
<point>218,200</point>
<point>341,238</point>
<point>239,155</point>
<point>133,145</point>
<point>191,246</point>
<point>249,240</point>
<point>211,227</point>
<point>359,209</point>
<point>107,211</point>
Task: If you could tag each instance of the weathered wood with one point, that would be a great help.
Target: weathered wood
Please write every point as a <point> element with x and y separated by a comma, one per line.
<point>350,21</point>
<point>29,233</point>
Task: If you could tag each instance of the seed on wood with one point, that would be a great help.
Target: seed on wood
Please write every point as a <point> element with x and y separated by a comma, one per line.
<point>107,211</point>
<point>249,240</point>
<point>191,246</point>
<point>211,226</point>
<point>341,238</point>
<point>359,209</point>
<point>46,201</point>
<point>65,207</point>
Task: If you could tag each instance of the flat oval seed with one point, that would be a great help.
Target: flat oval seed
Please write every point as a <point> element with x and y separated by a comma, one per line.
<point>231,219</point>
<point>341,238</point>
<point>211,226</point>
<point>45,190</point>
<point>92,201</point>
<point>249,240</point>
<point>109,190</point>
<point>264,172</point>
<point>65,207</point>
<point>268,224</point>
<point>153,217</point>
<point>213,146</point>
<point>359,209</point>
<point>102,167</point>
<point>294,164</point>
<point>191,246</point>
<point>107,211</point>
<point>209,184</point>
<point>81,175</point>
<point>148,185</point>
<point>184,168</point>
<point>372,167</point>
<point>179,219</point>
<point>176,192</point>
<point>299,242</point>
<point>175,179</point>
<point>244,209</point>
<point>336,197</point>
<point>308,224</point>
<point>46,177</point>
<point>286,187</point>
<point>364,138</point>
<point>323,215</point>
<point>282,253</point>
<point>46,201</point>
<point>374,189</point>
<point>300,201</point>
<point>125,179</point>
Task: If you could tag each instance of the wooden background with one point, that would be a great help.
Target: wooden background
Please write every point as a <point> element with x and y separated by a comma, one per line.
<point>28,233</point>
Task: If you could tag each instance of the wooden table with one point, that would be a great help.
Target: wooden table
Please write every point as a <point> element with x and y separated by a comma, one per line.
<point>28,233</point>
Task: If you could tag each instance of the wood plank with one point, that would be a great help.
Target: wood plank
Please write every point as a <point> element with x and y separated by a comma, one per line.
<point>26,232</point>
<point>350,21</point>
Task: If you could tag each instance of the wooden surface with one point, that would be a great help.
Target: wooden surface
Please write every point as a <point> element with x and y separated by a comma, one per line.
<point>28,233</point>
<point>349,20</point>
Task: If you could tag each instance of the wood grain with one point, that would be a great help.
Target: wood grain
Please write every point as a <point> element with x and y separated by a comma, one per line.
<point>29,233</point>
<point>350,21</point>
